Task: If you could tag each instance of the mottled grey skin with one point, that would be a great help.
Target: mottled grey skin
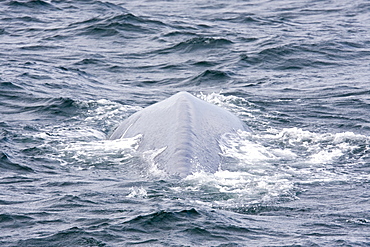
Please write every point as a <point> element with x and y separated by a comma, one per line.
<point>187,127</point>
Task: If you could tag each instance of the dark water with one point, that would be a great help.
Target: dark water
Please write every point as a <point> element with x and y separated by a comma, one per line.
<point>296,72</point>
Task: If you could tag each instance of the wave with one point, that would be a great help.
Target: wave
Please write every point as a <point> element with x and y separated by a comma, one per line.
<point>196,44</point>
<point>70,237</point>
<point>210,77</point>
<point>6,86</point>
<point>37,107</point>
<point>57,107</point>
<point>299,56</point>
<point>150,228</point>
<point>6,165</point>
<point>23,19</point>
<point>121,24</point>
<point>32,4</point>
<point>163,217</point>
<point>276,53</point>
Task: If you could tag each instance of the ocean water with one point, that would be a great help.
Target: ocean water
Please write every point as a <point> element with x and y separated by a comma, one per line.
<point>296,72</point>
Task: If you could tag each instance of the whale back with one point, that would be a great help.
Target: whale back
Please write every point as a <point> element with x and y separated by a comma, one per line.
<point>187,128</point>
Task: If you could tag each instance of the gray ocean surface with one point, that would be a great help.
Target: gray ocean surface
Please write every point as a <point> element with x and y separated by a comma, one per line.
<point>296,72</point>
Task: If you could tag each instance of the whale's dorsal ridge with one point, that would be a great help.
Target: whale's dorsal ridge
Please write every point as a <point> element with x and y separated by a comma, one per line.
<point>187,126</point>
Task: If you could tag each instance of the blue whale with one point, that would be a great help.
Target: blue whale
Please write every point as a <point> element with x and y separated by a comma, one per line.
<point>185,128</point>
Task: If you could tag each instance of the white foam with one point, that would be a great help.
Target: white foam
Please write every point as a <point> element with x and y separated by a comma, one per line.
<point>153,170</point>
<point>104,146</point>
<point>109,112</point>
<point>238,145</point>
<point>258,167</point>
<point>137,192</point>
<point>89,154</point>
<point>235,104</point>
<point>264,166</point>
<point>230,188</point>
<point>325,156</point>
<point>301,150</point>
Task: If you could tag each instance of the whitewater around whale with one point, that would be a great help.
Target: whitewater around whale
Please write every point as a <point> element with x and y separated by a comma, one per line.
<point>185,129</point>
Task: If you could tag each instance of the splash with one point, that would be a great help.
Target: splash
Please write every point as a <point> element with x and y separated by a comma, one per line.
<point>271,166</point>
<point>261,167</point>
<point>137,192</point>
